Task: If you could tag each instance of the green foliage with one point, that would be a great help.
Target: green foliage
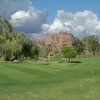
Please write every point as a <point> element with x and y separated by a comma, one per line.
<point>16,49</point>
<point>6,29</point>
<point>9,27</point>
<point>6,50</point>
<point>15,45</point>
<point>68,52</point>
<point>49,48</point>
<point>27,46</point>
<point>43,52</point>
<point>6,33</point>
<point>35,52</point>
<point>78,45</point>
<point>93,44</point>
<point>30,49</point>
<point>57,55</point>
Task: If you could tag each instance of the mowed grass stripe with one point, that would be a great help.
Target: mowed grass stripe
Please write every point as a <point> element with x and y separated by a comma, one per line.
<point>5,78</point>
<point>11,74</point>
<point>42,67</point>
<point>60,76</point>
<point>30,71</point>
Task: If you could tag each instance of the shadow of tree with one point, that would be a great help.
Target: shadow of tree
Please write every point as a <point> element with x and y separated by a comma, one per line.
<point>75,62</point>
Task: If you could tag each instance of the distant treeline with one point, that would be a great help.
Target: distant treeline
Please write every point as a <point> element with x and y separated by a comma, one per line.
<point>17,46</point>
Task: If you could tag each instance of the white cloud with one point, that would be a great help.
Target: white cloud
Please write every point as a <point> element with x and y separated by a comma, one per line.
<point>79,23</point>
<point>26,18</point>
<point>8,7</point>
<point>23,16</point>
<point>29,21</point>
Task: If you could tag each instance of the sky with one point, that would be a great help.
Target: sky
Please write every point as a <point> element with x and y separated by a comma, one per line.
<point>40,17</point>
<point>68,5</point>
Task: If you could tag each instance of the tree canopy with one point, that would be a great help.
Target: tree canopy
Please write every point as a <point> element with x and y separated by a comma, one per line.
<point>78,45</point>
<point>92,43</point>
<point>15,45</point>
<point>68,52</point>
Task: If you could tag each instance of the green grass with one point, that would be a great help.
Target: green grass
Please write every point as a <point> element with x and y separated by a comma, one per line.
<point>55,81</point>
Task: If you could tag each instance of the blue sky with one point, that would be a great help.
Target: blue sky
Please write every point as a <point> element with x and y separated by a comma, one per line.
<point>68,5</point>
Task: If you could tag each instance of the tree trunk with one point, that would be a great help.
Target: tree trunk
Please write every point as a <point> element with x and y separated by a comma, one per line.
<point>68,60</point>
<point>48,57</point>
<point>94,53</point>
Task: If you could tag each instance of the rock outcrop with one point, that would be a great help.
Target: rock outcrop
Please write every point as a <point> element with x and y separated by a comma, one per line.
<point>57,40</point>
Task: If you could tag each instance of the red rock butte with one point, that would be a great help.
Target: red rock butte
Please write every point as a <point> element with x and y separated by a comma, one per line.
<point>57,40</point>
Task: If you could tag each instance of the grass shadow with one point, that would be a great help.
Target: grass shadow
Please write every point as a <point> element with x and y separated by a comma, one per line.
<point>75,62</point>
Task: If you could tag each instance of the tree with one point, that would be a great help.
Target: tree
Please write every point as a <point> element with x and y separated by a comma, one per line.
<point>92,43</point>
<point>6,29</point>
<point>20,37</point>
<point>68,52</point>
<point>15,45</point>
<point>35,52</point>
<point>6,33</point>
<point>6,50</point>
<point>78,45</point>
<point>30,49</point>
<point>27,46</point>
<point>16,49</point>
<point>43,52</point>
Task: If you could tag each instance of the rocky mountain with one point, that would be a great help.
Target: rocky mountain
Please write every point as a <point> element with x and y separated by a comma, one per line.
<point>57,40</point>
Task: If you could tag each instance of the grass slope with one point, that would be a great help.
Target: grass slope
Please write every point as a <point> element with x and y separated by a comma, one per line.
<point>57,81</point>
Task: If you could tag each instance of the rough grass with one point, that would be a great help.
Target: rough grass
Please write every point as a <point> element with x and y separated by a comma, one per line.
<point>55,81</point>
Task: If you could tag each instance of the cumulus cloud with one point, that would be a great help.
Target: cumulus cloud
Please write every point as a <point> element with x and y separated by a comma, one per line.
<point>29,21</point>
<point>26,18</point>
<point>79,23</point>
<point>23,16</point>
<point>8,7</point>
